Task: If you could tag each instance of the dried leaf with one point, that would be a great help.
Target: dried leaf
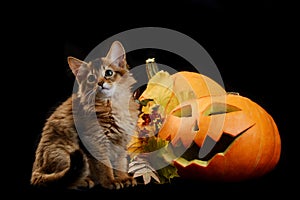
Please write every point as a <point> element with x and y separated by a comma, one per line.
<point>140,167</point>
<point>155,176</point>
<point>147,174</point>
<point>134,168</point>
<point>146,178</point>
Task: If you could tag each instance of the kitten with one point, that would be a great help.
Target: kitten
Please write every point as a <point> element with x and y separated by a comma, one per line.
<point>84,141</point>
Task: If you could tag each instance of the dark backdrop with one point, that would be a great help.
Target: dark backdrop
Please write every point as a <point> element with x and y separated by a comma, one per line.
<point>247,40</point>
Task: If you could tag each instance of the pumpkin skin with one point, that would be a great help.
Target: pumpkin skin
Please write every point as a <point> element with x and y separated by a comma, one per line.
<point>255,148</point>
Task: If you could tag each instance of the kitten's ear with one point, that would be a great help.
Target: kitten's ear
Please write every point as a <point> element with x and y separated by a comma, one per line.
<point>75,64</point>
<point>116,54</point>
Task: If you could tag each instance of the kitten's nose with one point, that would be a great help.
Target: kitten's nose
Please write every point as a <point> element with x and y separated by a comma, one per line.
<point>100,83</point>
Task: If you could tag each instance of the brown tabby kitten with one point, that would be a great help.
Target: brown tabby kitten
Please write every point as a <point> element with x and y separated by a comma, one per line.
<point>93,152</point>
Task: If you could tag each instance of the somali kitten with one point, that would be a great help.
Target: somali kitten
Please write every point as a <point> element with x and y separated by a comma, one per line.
<point>84,142</point>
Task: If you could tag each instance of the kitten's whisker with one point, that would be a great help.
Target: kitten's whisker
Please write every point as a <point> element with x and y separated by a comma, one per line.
<point>91,97</point>
<point>89,92</point>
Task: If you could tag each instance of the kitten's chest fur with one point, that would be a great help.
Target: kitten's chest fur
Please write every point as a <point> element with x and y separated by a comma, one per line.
<point>116,119</point>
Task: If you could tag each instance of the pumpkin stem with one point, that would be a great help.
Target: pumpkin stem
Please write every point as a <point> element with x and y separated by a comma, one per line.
<point>151,67</point>
<point>233,93</point>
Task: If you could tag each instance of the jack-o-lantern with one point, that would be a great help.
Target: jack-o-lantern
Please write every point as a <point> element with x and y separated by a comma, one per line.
<point>212,135</point>
<point>226,138</point>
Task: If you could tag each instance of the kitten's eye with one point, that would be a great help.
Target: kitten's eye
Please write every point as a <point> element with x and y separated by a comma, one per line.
<point>91,78</point>
<point>108,73</point>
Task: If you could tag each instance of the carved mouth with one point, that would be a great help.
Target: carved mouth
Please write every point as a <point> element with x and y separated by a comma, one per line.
<point>226,140</point>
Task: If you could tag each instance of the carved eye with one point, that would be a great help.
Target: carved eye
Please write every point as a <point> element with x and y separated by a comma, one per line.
<point>91,78</point>
<point>108,73</point>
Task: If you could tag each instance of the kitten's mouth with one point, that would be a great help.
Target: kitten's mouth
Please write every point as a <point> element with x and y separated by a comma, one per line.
<point>103,88</point>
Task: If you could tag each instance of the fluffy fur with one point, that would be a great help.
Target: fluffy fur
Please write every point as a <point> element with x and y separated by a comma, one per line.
<point>84,141</point>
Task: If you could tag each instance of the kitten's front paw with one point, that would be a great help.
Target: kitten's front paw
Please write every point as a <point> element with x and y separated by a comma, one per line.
<point>120,183</point>
<point>83,184</point>
<point>114,184</point>
<point>129,181</point>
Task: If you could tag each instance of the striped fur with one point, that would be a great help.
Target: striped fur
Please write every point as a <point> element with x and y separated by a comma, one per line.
<point>94,152</point>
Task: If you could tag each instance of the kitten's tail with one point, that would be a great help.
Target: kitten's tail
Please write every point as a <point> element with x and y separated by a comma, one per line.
<point>64,178</point>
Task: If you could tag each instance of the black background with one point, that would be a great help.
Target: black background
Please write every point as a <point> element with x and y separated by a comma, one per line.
<point>250,42</point>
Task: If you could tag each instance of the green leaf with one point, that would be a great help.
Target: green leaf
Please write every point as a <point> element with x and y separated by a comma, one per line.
<point>145,102</point>
<point>167,173</point>
<point>154,144</point>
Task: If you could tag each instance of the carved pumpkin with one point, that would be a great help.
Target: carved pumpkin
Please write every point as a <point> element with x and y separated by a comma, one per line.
<point>213,135</point>
<point>225,138</point>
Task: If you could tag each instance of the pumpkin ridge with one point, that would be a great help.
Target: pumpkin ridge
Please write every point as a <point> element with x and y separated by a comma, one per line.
<point>275,153</point>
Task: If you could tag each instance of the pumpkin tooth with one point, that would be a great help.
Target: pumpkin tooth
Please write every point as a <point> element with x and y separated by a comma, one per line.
<point>196,127</point>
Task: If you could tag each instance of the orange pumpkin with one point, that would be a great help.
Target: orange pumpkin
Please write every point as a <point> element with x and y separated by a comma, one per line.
<point>226,138</point>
